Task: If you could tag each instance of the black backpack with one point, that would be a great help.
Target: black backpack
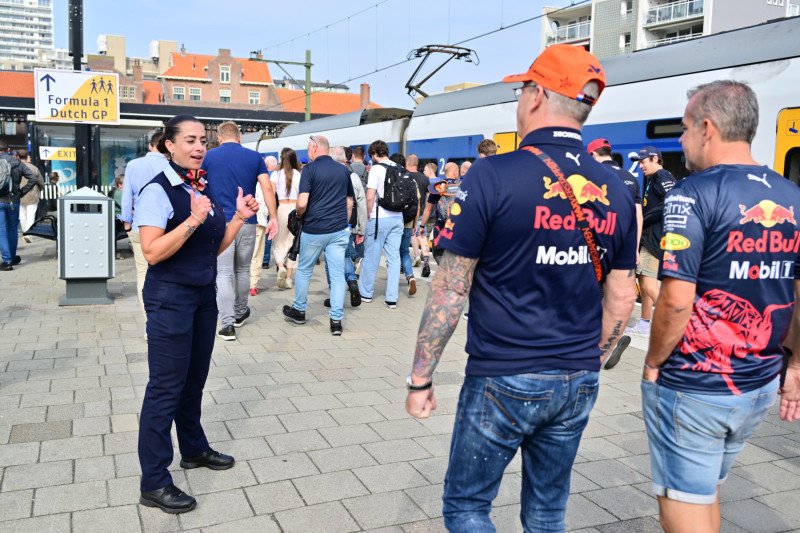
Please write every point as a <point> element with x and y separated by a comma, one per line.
<point>399,192</point>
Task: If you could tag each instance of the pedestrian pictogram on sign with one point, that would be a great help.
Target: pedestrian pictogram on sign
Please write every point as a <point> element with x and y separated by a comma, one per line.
<point>77,97</point>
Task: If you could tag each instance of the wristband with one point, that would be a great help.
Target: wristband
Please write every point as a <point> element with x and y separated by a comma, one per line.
<point>651,367</point>
<point>190,227</point>
<point>195,217</point>
<point>414,388</point>
<point>240,217</point>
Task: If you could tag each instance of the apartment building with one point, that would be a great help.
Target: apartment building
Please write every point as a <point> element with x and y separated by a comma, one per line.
<point>26,27</point>
<point>609,28</point>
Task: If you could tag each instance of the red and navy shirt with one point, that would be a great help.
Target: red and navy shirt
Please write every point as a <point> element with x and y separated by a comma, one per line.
<point>535,303</point>
<point>732,230</point>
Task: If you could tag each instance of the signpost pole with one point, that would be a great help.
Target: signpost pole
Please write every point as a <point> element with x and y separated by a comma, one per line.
<point>83,159</point>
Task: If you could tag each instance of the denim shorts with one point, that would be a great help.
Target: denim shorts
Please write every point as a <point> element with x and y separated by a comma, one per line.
<point>695,438</point>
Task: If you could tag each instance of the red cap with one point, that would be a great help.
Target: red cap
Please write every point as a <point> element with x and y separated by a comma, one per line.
<point>564,69</point>
<point>597,144</point>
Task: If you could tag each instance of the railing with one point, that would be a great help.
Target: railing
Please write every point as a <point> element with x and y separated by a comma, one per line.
<point>51,192</point>
<point>579,30</point>
<point>674,11</point>
<point>669,40</point>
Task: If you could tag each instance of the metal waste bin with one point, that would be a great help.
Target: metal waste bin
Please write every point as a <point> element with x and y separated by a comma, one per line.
<point>86,246</point>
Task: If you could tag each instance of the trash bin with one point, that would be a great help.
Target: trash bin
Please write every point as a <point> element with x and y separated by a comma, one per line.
<point>86,246</point>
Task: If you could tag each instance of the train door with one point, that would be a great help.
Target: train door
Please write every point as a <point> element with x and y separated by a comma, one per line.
<point>787,144</point>
<point>506,142</point>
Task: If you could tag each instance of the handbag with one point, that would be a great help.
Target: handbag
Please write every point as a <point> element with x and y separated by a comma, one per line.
<point>580,219</point>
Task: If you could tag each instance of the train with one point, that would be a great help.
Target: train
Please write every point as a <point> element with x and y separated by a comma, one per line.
<point>642,104</point>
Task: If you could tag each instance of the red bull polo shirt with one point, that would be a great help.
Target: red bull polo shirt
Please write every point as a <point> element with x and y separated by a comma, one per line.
<point>732,230</point>
<point>535,303</point>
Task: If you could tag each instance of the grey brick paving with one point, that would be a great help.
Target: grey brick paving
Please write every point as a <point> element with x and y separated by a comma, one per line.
<point>317,425</point>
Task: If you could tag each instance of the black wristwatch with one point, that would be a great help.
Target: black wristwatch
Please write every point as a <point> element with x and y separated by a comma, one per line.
<point>414,388</point>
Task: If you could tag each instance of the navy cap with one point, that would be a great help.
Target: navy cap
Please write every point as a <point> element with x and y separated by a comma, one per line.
<point>645,152</point>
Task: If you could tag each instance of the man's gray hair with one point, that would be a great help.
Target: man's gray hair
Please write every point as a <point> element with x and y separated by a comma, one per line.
<point>338,155</point>
<point>271,160</point>
<point>730,105</point>
<point>569,107</point>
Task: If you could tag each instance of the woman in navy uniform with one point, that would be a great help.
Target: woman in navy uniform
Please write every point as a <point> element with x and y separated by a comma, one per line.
<point>182,231</point>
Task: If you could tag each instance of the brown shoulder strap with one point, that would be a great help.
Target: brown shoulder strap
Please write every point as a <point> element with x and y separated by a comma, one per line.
<point>580,218</point>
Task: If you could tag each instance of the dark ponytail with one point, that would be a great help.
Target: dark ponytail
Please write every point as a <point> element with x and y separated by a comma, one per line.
<point>171,130</point>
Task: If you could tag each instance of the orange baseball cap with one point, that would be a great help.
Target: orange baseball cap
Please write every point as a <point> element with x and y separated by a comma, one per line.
<point>564,69</point>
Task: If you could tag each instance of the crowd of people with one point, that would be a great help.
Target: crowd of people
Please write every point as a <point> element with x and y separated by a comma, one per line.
<point>544,242</point>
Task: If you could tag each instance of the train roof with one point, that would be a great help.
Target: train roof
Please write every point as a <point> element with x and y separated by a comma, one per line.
<point>345,120</point>
<point>722,50</point>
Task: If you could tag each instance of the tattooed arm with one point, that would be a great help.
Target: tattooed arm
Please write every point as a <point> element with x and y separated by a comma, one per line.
<point>673,310</point>
<point>446,298</point>
<point>619,296</point>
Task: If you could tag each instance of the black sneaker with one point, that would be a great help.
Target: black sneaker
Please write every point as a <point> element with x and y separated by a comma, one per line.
<point>391,305</point>
<point>17,260</point>
<point>227,333</point>
<point>6,266</point>
<point>336,327</point>
<point>293,315</point>
<point>616,353</point>
<point>239,321</point>
<point>327,302</point>
<point>355,295</point>
<point>426,270</point>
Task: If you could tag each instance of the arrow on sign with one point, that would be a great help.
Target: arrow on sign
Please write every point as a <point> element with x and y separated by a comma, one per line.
<point>47,78</point>
<point>45,151</point>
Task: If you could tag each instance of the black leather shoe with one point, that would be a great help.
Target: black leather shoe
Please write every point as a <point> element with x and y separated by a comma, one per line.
<point>169,499</point>
<point>355,295</point>
<point>17,260</point>
<point>210,459</point>
<point>6,266</point>
<point>327,302</point>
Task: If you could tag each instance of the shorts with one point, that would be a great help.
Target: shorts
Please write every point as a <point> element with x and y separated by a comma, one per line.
<point>648,264</point>
<point>695,438</point>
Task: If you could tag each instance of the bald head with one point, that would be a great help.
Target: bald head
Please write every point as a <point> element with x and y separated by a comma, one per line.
<point>465,167</point>
<point>451,171</point>
<point>318,145</point>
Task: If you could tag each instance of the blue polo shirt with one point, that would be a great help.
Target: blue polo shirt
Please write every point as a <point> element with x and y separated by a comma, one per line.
<point>732,231</point>
<point>230,166</point>
<point>535,303</point>
<point>328,185</point>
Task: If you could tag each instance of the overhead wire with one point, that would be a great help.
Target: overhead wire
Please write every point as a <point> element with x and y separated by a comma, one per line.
<point>408,60</point>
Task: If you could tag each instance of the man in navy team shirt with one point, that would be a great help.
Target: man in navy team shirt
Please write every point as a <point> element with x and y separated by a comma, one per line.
<point>726,303</point>
<point>538,326</point>
<point>230,166</point>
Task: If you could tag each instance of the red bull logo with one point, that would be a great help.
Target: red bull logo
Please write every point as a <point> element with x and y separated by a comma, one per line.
<point>770,241</point>
<point>545,219</point>
<point>670,262</point>
<point>584,190</point>
<point>767,213</point>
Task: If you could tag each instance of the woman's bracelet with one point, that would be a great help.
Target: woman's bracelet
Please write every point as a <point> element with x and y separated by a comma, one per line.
<point>195,217</point>
<point>240,217</point>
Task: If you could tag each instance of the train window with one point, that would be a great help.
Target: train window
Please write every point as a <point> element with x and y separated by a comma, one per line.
<point>791,167</point>
<point>617,157</point>
<point>675,163</point>
<point>662,129</point>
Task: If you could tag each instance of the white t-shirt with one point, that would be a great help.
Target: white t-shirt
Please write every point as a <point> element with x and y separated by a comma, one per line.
<point>278,178</point>
<point>377,175</point>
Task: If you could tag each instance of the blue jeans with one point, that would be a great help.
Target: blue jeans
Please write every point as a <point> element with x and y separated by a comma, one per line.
<point>267,251</point>
<point>311,246</point>
<point>9,226</point>
<point>694,438</point>
<point>390,233</point>
<point>349,266</point>
<point>405,254</point>
<point>544,414</point>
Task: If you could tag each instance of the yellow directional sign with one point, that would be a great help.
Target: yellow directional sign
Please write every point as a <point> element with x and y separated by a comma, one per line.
<point>77,97</point>
<point>56,153</point>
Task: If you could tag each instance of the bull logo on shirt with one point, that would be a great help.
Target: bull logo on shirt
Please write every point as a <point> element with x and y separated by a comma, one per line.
<point>724,326</point>
<point>583,189</point>
<point>767,213</point>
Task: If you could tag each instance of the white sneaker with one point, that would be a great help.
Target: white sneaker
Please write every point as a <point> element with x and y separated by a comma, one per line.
<point>282,278</point>
<point>289,283</point>
<point>640,328</point>
<point>417,261</point>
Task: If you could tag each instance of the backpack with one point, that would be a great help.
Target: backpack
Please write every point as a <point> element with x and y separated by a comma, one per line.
<point>5,177</point>
<point>399,192</point>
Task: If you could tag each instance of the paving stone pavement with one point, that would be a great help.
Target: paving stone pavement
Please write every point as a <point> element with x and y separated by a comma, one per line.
<point>316,423</point>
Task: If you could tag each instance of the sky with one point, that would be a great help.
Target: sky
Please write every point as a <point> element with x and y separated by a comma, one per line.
<point>344,39</point>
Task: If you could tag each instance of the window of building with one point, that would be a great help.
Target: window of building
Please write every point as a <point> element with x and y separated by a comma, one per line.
<point>254,97</point>
<point>626,7</point>
<point>225,96</point>
<point>194,94</point>
<point>625,40</point>
<point>224,73</point>
<point>127,91</point>
<point>178,93</point>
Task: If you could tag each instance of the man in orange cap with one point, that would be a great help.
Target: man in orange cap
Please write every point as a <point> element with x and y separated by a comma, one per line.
<point>528,238</point>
